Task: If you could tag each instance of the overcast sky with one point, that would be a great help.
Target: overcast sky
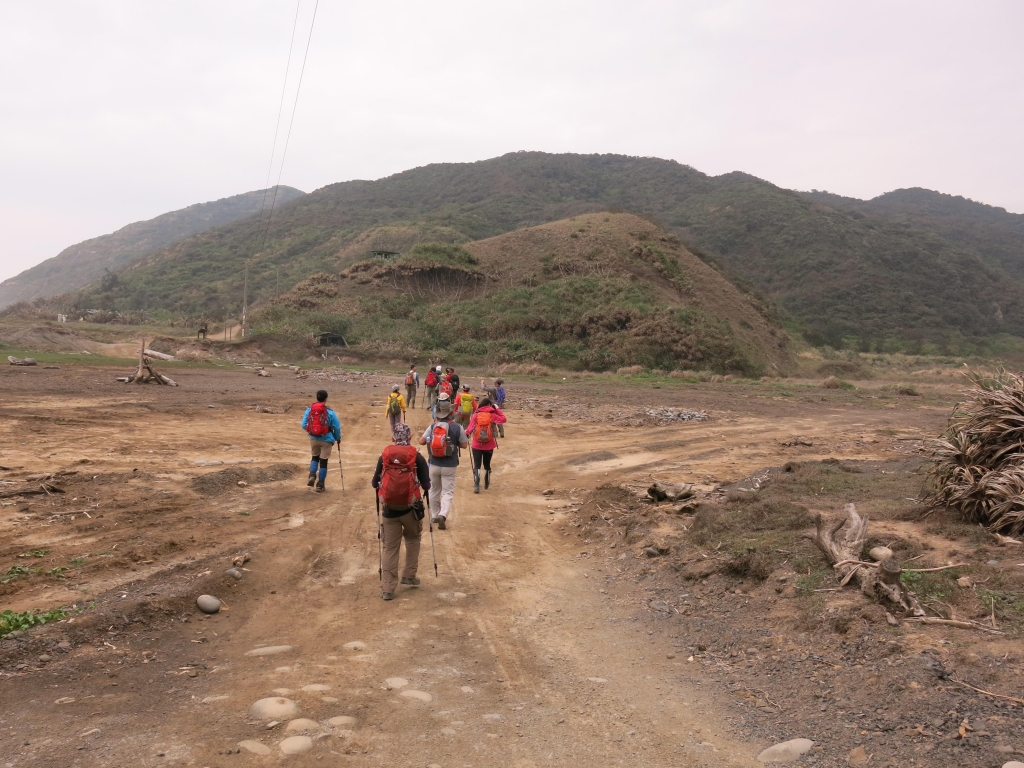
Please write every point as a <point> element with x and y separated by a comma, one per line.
<point>113,112</point>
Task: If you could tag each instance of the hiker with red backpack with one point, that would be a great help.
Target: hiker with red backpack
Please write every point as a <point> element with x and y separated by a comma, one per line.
<point>401,473</point>
<point>324,430</point>
<point>444,439</point>
<point>395,407</point>
<point>444,387</point>
<point>412,383</point>
<point>453,377</point>
<point>483,427</point>
<point>465,406</point>
<point>431,383</point>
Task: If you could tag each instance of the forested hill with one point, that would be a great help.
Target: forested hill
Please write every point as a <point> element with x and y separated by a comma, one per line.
<point>990,231</point>
<point>80,264</point>
<point>842,275</point>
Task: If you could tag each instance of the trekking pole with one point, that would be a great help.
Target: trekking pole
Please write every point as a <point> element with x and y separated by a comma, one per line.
<point>430,525</point>
<point>341,469</point>
<point>380,542</point>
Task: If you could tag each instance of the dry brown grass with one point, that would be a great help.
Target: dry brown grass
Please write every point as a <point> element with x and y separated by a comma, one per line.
<point>979,461</point>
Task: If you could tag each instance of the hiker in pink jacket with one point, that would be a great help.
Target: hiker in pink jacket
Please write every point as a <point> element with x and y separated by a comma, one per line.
<point>483,428</point>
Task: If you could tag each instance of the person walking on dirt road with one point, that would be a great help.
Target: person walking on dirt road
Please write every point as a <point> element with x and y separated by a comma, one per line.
<point>324,430</point>
<point>433,379</point>
<point>497,395</point>
<point>465,406</point>
<point>482,427</point>
<point>444,439</point>
<point>412,383</point>
<point>395,407</point>
<point>401,473</point>
<point>453,377</point>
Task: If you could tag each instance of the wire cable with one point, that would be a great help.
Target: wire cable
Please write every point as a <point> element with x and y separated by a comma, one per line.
<point>277,125</point>
<point>291,123</point>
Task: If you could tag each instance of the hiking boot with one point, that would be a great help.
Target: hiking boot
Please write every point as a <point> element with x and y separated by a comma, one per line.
<point>487,479</point>
<point>440,523</point>
<point>320,486</point>
<point>412,581</point>
<point>387,595</point>
<point>476,480</point>
<point>312,480</point>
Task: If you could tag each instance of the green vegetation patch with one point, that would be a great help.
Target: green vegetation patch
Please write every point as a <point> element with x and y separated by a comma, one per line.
<point>15,622</point>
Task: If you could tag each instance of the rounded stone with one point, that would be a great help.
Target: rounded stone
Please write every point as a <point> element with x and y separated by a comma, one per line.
<point>270,650</point>
<point>296,745</point>
<point>1013,764</point>
<point>234,573</point>
<point>208,604</point>
<point>396,682</point>
<point>274,708</point>
<point>342,720</point>
<point>302,724</point>
<point>420,695</point>
<point>316,688</point>
<point>878,554</point>
<point>255,747</point>
<point>355,645</point>
<point>785,752</point>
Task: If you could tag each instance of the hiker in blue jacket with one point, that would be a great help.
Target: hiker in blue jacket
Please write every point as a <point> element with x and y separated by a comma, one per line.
<point>324,430</point>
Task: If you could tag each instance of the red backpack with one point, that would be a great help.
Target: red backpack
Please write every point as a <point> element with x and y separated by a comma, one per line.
<point>446,388</point>
<point>398,486</point>
<point>318,424</point>
<point>431,378</point>
<point>484,427</point>
<point>441,445</point>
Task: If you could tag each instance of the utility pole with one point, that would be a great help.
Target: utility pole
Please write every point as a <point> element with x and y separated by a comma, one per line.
<point>245,296</point>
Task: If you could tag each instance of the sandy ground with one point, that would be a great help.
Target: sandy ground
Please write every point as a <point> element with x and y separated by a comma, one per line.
<point>527,649</point>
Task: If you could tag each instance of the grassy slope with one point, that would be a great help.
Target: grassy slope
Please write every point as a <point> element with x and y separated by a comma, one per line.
<point>84,262</point>
<point>843,276</point>
<point>596,291</point>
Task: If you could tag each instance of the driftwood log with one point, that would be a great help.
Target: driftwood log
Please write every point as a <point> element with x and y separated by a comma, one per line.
<point>145,373</point>
<point>881,582</point>
<point>660,492</point>
<point>21,360</point>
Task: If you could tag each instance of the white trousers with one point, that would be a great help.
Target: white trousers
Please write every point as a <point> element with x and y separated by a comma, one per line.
<point>442,490</point>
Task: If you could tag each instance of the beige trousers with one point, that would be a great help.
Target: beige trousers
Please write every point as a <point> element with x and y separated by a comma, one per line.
<point>320,448</point>
<point>394,530</point>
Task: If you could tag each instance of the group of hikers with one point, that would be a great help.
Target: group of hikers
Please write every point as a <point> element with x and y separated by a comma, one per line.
<point>458,421</point>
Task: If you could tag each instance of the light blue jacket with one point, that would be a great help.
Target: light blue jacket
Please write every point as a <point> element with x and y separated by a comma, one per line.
<point>334,436</point>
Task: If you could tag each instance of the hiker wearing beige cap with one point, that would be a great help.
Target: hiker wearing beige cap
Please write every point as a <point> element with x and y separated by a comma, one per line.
<point>444,439</point>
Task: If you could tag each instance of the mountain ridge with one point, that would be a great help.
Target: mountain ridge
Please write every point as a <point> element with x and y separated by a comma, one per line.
<point>844,274</point>
<point>81,263</point>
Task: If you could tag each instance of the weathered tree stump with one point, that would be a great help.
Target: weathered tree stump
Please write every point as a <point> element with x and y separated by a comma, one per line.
<point>660,492</point>
<point>879,581</point>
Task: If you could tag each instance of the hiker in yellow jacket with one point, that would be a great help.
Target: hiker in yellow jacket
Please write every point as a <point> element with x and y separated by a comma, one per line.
<point>395,406</point>
<point>465,406</point>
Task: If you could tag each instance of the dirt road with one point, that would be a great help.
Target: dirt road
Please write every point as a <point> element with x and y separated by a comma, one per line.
<point>530,648</point>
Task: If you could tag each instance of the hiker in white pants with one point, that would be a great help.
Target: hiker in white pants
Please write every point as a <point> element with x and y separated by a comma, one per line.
<point>442,492</point>
<point>444,439</point>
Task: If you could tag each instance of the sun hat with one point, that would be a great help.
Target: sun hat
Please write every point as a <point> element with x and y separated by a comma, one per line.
<point>444,406</point>
<point>394,388</point>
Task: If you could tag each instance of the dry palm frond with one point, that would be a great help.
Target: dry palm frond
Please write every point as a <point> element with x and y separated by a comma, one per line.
<point>979,462</point>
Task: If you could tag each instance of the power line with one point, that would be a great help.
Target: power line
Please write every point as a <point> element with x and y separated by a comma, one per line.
<point>277,125</point>
<point>284,151</point>
<point>291,122</point>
